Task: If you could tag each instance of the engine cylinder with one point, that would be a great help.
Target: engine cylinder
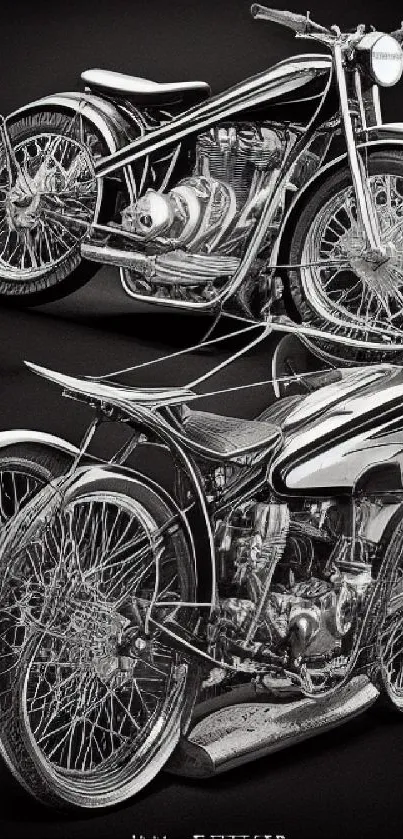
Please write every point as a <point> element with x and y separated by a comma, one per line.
<point>237,155</point>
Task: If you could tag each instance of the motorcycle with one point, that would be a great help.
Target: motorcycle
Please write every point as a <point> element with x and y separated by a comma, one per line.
<point>288,186</point>
<point>248,597</point>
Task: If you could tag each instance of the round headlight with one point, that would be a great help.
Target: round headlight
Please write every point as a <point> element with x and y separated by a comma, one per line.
<point>386,61</point>
<point>382,57</point>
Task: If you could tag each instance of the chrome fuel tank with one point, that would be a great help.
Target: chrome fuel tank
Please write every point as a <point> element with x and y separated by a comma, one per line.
<point>338,432</point>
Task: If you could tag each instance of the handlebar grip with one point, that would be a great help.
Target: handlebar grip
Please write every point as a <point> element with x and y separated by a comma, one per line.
<point>296,22</point>
<point>299,23</point>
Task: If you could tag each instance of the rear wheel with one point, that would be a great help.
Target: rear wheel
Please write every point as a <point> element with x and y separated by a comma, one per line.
<point>94,699</point>
<point>47,212</point>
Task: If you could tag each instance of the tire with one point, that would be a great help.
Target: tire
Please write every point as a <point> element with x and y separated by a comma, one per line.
<point>68,145</point>
<point>92,705</point>
<point>25,468</point>
<point>317,296</point>
<point>389,642</point>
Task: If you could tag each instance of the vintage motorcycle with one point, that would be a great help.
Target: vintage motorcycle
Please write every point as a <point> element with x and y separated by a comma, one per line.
<point>250,596</point>
<point>286,184</point>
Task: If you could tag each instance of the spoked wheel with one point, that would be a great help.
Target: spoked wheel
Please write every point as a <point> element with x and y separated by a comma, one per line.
<point>352,297</point>
<point>47,206</point>
<point>24,469</point>
<point>94,699</point>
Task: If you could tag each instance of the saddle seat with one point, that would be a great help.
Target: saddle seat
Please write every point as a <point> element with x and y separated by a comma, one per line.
<point>143,91</point>
<point>229,438</point>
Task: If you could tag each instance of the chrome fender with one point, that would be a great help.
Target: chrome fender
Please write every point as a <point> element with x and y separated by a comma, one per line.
<point>108,120</point>
<point>103,115</point>
<point>16,436</point>
<point>97,477</point>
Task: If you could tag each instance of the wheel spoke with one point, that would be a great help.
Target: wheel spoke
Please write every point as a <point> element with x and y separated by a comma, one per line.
<point>16,488</point>
<point>55,174</point>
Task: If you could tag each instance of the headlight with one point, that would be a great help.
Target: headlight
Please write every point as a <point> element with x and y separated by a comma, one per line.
<point>381,57</point>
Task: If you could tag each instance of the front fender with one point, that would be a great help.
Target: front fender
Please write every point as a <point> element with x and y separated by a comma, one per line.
<point>380,138</point>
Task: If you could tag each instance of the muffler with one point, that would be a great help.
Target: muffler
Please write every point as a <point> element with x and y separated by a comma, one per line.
<point>241,732</point>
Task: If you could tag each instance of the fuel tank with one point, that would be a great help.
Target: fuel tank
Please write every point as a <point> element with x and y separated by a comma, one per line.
<point>301,78</point>
<point>337,433</point>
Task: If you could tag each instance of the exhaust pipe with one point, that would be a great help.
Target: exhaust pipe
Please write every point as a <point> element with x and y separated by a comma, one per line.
<point>119,257</point>
<point>173,268</point>
<point>239,733</point>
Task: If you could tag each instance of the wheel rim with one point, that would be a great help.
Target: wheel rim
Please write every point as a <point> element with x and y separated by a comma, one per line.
<point>17,487</point>
<point>99,699</point>
<point>353,291</point>
<point>48,211</point>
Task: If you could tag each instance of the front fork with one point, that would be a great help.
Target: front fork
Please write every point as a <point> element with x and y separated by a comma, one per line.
<point>13,169</point>
<point>365,203</point>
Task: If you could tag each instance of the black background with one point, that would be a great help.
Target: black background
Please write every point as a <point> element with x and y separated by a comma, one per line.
<point>347,783</point>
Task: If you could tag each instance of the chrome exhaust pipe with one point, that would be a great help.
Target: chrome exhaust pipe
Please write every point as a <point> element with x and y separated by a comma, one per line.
<point>120,258</point>
<point>172,268</point>
<point>234,735</point>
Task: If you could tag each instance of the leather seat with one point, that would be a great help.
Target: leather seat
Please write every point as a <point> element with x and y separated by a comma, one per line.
<point>143,91</point>
<point>228,437</point>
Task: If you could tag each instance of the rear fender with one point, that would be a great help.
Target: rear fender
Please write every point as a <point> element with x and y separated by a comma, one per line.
<point>17,436</point>
<point>103,115</point>
<point>106,118</point>
<point>127,481</point>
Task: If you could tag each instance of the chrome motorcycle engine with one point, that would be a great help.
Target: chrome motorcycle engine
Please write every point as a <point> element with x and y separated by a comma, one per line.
<point>195,232</point>
<point>292,584</point>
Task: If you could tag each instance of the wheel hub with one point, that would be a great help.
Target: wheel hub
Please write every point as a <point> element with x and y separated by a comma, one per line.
<point>374,268</point>
<point>68,607</point>
<point>23,208</point>
<point>377,276</point>
<point>26,197</point>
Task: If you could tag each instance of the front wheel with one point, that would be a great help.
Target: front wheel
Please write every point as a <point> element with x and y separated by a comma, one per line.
<point>48,208</point>
<point>352,297</point>
<point>94,699</point>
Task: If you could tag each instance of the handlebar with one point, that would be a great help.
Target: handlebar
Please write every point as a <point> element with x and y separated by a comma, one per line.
<point>301,24</point>
<point>398,34</point>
